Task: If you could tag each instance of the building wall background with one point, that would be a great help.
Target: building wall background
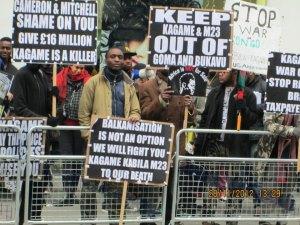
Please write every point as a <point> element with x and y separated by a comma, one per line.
<point>6,18</point>
<point>288,8</point>
<point>290,29</point>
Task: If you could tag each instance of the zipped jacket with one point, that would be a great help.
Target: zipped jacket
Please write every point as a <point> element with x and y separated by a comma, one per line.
<point>31,93</point>
<point>96,100</point>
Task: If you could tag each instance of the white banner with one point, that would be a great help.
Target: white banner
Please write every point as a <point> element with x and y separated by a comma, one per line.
<point>256,32</point>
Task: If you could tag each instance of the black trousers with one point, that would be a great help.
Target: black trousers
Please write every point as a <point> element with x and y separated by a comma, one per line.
<point>36,196</point>
<point>71,143</point>
<point>169,197</point>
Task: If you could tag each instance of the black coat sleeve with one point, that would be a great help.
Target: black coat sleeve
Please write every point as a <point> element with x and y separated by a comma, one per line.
<point>250,112</point>
<point>19,92</point>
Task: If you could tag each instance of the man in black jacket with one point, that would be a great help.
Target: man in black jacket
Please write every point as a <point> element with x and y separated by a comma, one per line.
<point>32,98</point>
<point>221,113</point>
<point>31,92</point>
<point>221,110</point>
<point>257,83</point>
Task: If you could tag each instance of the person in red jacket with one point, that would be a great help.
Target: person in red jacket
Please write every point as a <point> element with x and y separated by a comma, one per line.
<point>70,81</point>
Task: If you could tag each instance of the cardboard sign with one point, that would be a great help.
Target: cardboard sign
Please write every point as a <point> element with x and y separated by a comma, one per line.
<point>135,152</point>
<point>189,37</point>
<point>50,31</point>
<point>188,80</point>
<point>257,31</point>
<point>13,145</point>
<point>5,84</point>
<point>283,83</point>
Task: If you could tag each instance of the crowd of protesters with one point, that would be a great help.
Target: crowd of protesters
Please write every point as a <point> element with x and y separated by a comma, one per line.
<point>114,92</point>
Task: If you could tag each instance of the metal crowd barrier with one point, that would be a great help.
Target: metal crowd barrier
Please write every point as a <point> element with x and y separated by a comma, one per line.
<point>9,193</point>
<point>220,189</point>
<point>93,202</point>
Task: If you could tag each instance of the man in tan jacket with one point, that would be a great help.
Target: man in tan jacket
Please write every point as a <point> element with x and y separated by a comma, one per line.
<point>109,93</point>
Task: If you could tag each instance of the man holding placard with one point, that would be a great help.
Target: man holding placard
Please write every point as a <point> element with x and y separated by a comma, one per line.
<point>112,81</point>
<point>220,112</point>
<point>159,103</point>
<point>282,120</point>
<point>110,93</point>
<point>29,82</point>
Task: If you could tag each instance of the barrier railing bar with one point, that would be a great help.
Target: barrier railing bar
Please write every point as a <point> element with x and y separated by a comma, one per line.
<point>91,221</point>
<point>218,131</point>
<point>231,159</point>
<point>31,157</point>
<point>28,157</point>
<point>17,200</point>
<point>241,219</point>
<point>9,157</point>
<point>69,157</point>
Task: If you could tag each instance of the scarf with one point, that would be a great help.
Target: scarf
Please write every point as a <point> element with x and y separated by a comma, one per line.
<point>62,80</point>
<point>113,75</point>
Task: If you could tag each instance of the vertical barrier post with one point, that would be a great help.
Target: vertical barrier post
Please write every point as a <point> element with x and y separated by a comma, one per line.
<point>175,176</point>
<point>163,211</point>
<point>28,170</point>
<point>19,163</point>
<point>18,185</point>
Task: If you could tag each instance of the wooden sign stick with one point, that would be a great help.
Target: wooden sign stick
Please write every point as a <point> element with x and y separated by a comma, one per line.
<point>298,162</point>
<point>239,121</point>
<point>185,121</point>
<point>54,84</point>
<point>123,202</point>
<point>186,114</point>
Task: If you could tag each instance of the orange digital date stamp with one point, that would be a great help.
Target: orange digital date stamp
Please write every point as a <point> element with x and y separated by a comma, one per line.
<point>245,193</point>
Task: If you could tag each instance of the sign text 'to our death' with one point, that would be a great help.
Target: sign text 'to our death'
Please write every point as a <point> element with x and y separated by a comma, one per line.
<point>123,151</point>
<point>49,31</point>
<point>189,37</point>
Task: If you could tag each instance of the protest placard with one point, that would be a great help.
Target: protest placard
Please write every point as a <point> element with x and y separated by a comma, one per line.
<point>257,31</point>
<point>14,145</point>
<point>283,83</point>
<point>5,84</point>
<point>189,37</point>
<point>188,80</point>
<point>50,31</point>
<point>135,152</point>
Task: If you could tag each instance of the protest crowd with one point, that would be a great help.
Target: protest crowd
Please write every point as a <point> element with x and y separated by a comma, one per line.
<point>125,88</point>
